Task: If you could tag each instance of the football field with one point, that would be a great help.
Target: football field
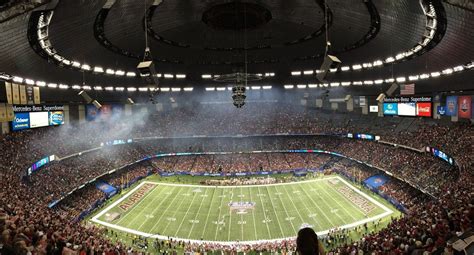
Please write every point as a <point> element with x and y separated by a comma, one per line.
<point>241,213</point>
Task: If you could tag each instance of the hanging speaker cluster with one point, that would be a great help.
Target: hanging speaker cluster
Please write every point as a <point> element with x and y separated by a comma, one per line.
<point>238,95</point>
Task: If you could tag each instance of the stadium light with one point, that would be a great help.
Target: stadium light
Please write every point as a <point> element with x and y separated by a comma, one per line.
<point>435,74</point>
<point>447,71</point>
<point>98,88</point>
<point>40,83</point>
<point>18,79</point>
<point>220,88</point>
<point>52,85</point>
<point>165,89</point>
<point>109,88</point>
<point>206,76</point>
<point>301,86</point>
<point>289,86</point>
<point>110,71</point>
<point>334,84</point>
<point>210,88</point>
<point>76,64</point>
<point>175,89</point>
<point>188,89</point>
<point>413,77</point>
<point>120,73</point>
<point>180,76</point>
<point>86,67</point>
<point>424,76</point>
<point>346,83</point>
<point>77,87</point>
<point>143,89</point>
<point>345,68</point>
<point>63,86</point>
<point>267,87</point>
<point>168,76</point>
<point>401,79</point>
<point>379,81</point>
<point>356,67</point>
<point>389,60</point>
<point>29,81</point>
<point>131,89</point>
<point>378,63</point>
<point>85,87</point>
<point>308,72</point>
<point>312,86</point>
<point>98,69</point>
<point>368,82</point>
<point>357,83</point>
<point>119,88</point>
<point>366,65</point>
<point>296,73</point>
<point>131,74</point>
<point>255,87</point>
<point>399,56</point>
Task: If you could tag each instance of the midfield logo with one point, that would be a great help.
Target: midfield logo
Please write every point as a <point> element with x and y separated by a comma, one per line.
<point>242,207</point>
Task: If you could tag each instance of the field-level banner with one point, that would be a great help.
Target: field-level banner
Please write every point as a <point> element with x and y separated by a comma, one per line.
<point>464,107</point>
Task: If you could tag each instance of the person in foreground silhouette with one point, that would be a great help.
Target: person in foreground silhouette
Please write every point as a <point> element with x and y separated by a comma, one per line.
<point>307,243</point>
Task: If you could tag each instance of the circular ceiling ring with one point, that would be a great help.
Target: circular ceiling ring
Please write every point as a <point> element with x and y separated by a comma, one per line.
<point>153,34</point>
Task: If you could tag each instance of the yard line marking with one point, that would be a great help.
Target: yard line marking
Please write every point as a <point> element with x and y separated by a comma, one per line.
<point>159,207</point>
<point>199,209</point>
<point>345,198</point>
<point>330,207</point>
<point>175,212</point>
<point>230,216</point>
<point>164,211</point>
<point>253,216</point>
<point>241,217</point>
<point>309,211</point>
<point>208,213</point>
<point>218,217</point>
<point>319,208</point>
<point>291,200</point>
<point>136,206</point>
<point>186,213</point>
<point>265,215</point>
<point>283,205</point>
<point>339,204</point>
<point>144,209</point>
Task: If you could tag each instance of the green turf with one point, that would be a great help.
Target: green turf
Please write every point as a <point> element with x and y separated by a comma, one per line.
<point>203,212</point>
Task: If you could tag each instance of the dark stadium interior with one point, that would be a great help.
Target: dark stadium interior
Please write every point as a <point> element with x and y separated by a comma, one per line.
<point>231,94</point>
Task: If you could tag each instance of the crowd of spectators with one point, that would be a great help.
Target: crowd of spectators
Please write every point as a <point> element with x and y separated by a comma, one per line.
<point>240,163</point>
<point>28,225</point>
<point>247,181</point>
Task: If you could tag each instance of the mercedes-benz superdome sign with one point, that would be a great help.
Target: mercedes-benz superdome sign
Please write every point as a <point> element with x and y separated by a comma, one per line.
<point>35,116</point>
<point>408,106</point>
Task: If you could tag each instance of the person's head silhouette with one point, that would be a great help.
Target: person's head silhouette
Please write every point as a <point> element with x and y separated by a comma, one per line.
<point>307,243</point>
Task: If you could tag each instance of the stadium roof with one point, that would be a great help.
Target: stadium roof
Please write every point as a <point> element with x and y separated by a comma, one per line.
<point>373,39</point>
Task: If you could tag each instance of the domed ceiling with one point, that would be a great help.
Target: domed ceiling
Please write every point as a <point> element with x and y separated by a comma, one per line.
<point>64,40</point>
